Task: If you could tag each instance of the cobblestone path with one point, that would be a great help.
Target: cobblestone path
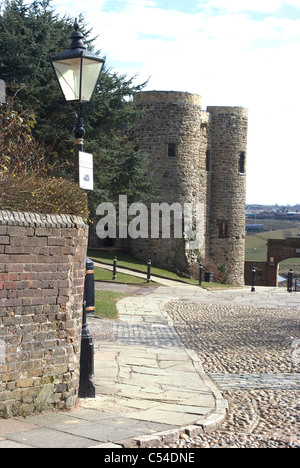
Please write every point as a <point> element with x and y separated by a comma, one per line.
<point>160,336</point>
<point>252,354</point>
<point>254,382</point>
<point>128,333</point>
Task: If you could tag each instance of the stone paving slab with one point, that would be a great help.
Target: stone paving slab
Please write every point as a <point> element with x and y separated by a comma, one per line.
<point>82,428</point>
<point>48,438</point>
<point>10,444</point>
<point>151,384</point>
<point>8,426</point>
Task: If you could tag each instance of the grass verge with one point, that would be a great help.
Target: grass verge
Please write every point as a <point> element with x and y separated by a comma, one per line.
<point>126,261</point>
<point>106,275</point>
<point>106,304</point>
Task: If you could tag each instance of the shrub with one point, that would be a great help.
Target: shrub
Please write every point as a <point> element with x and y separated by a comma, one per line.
<point>31,193</point>
<point>26,169</point>
<point>19,152</point>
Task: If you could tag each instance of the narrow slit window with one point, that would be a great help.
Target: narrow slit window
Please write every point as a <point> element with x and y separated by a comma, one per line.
<point>223,230</point>
<point>171,150</point>
<point>242,161</point>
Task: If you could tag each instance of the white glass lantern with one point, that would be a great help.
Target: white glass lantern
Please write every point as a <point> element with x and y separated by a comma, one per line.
<point>77,69</point>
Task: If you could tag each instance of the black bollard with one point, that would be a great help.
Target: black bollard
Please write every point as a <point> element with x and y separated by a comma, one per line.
<point>149,271</point>
<point>253,279</point>
<point>89,287</point>
<point>86,384</point>
<point>290,280</point>
<point>115,268</point>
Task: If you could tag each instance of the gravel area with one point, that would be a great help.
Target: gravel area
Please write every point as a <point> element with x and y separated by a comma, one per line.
<point>252,354</point>
<point>101,329</point>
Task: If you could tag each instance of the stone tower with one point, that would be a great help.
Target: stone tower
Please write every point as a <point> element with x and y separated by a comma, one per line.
<point>198,158</point>
<point>170,132</point>
<point>228,140</point>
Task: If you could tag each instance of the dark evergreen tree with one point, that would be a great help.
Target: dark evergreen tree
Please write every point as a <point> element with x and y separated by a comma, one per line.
<point>29,35</point>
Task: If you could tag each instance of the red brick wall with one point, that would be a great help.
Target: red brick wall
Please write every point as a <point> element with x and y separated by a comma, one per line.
<point>278,250</point>
<point>42,264</point>
<point>261,273</point>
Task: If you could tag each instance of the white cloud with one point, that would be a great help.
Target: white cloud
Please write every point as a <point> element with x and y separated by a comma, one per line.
<point>141,3</point>
<point>247,5</point>
<point>228,58</point>
<point>262,6</point>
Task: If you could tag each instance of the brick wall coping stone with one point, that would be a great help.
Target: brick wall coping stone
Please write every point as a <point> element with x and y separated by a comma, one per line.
<point>14,218</point>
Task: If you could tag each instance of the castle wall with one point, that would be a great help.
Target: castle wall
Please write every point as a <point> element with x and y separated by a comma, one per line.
<point>228,127</point>
<point>171,133</point>
<point>206,155</point>
<point>196,157</point>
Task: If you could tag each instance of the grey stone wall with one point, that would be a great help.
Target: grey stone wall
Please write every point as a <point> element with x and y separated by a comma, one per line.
<point>172,119</point>
<point>196,158</point>
<point>228,132</point>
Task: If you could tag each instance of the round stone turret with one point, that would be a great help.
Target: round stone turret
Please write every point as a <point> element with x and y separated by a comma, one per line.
<point>170,132</point>
<point>228,135</point>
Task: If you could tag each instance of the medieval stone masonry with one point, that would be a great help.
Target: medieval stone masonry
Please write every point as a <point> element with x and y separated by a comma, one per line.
<point>196,157</point>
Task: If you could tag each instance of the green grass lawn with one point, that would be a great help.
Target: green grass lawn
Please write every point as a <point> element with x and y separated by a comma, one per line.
<point>106,275</point>
<point>106,304</point>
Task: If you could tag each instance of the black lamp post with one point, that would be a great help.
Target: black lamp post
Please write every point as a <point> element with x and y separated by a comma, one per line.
<point>77,71</point>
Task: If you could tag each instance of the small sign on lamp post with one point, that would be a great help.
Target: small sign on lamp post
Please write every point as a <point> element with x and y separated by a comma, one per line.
<point>2,92</point>
<point>86,173</point>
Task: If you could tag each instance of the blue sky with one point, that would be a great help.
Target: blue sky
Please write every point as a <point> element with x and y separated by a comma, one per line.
<point>231,52</point>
